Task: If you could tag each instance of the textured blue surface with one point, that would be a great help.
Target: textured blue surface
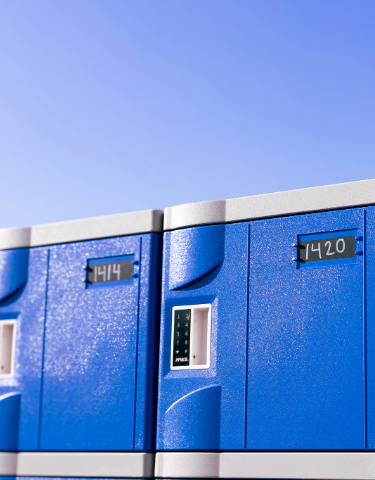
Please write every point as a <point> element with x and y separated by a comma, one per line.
<point>370,324</point>
<point>9,421</point>
<point>226,289</point>
<point>204,425</point>
<point>100,346</point>
<point>189,260</point>
<point>305,382</point>
<point>13,271</point>
<point>306,375</point>
<point>27,306</point>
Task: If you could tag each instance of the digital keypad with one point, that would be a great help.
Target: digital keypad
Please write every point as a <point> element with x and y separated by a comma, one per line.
<point>181,338</point>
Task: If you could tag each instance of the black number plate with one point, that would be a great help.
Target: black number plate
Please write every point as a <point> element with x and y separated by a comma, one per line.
<point>326,249</point>
<point>109,272</point>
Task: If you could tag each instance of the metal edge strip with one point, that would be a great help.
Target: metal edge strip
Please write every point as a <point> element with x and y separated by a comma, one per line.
<point>252,465</point>
<point>307,200</point>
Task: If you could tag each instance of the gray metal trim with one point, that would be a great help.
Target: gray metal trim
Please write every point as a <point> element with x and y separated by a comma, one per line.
<point>8,464</point>
<point>343,195</point>
<point>146,221</point>
<point>93,464</point>
<point>301,465</point>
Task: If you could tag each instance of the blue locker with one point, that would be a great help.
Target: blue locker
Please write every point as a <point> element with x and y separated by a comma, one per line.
<point>301,385</point>
<point>79,309</point>
<point>100,344</point>
<point>204,409</point>
<point>306,349</point>
<point>23,277</point>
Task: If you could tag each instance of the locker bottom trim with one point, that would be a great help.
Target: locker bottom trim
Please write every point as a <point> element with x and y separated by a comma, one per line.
<point>77,464</point>
<point>292,465</point>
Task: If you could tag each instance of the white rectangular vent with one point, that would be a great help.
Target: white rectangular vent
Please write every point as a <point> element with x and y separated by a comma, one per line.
<point>7,347</point>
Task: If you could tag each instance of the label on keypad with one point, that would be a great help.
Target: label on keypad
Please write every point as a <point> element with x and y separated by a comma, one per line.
<point>181,338</point>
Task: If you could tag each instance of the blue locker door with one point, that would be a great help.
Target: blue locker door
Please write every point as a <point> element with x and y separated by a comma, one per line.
<point>306,375</point>
<point>23,283</point>
<point>89,382</point>
<point>204,409</point>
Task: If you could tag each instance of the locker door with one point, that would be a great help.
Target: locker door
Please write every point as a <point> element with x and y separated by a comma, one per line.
<point>23,283</point>
<point>205,271</point>
<point>89,382</point>
<point>306,375</point>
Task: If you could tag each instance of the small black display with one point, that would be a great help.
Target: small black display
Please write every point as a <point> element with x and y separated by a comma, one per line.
<point>326,249</point>
<point>181,338</point>
<point>109,272</point>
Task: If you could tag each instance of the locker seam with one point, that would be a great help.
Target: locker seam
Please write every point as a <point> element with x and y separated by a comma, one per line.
<point>247,331</point>
<point>137,342</point>
<point>365,320</point>
<point>43,351</point>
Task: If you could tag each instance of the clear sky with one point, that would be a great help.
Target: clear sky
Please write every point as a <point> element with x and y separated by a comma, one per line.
<point>120,105</point>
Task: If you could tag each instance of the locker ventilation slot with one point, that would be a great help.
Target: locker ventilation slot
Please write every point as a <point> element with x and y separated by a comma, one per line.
<point>7,348</point>
<point>200,333</point>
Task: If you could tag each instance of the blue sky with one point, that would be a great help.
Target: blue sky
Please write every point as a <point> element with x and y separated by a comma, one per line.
<point>112,106</point>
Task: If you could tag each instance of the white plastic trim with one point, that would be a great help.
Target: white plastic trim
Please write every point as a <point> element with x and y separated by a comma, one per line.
<point>252,465</point>
<point>146,221</point>
<point>315,199</point>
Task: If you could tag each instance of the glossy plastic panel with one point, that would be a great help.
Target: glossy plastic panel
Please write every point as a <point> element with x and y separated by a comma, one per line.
<point>25,303</point>
<point>92,399</point>
<point>205,409</point>
<point>306,372</point>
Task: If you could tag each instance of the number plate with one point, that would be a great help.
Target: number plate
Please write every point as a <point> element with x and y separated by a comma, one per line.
<point>329,249</point>
<point>109,271</point>
<point>326,249</point>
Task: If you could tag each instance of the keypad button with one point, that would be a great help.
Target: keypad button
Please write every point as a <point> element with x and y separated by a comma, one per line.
<point>181,337</point>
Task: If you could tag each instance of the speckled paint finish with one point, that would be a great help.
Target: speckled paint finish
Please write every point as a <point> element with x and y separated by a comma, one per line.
<point>202,420</point>
<point>96,395</point>
<point>304,378</point>
<point>306,372</point>
<point>226,289</point>
<point>13,271</point>
<point>194,244</point>
<point>370,325</point>
<point>27,306</point>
